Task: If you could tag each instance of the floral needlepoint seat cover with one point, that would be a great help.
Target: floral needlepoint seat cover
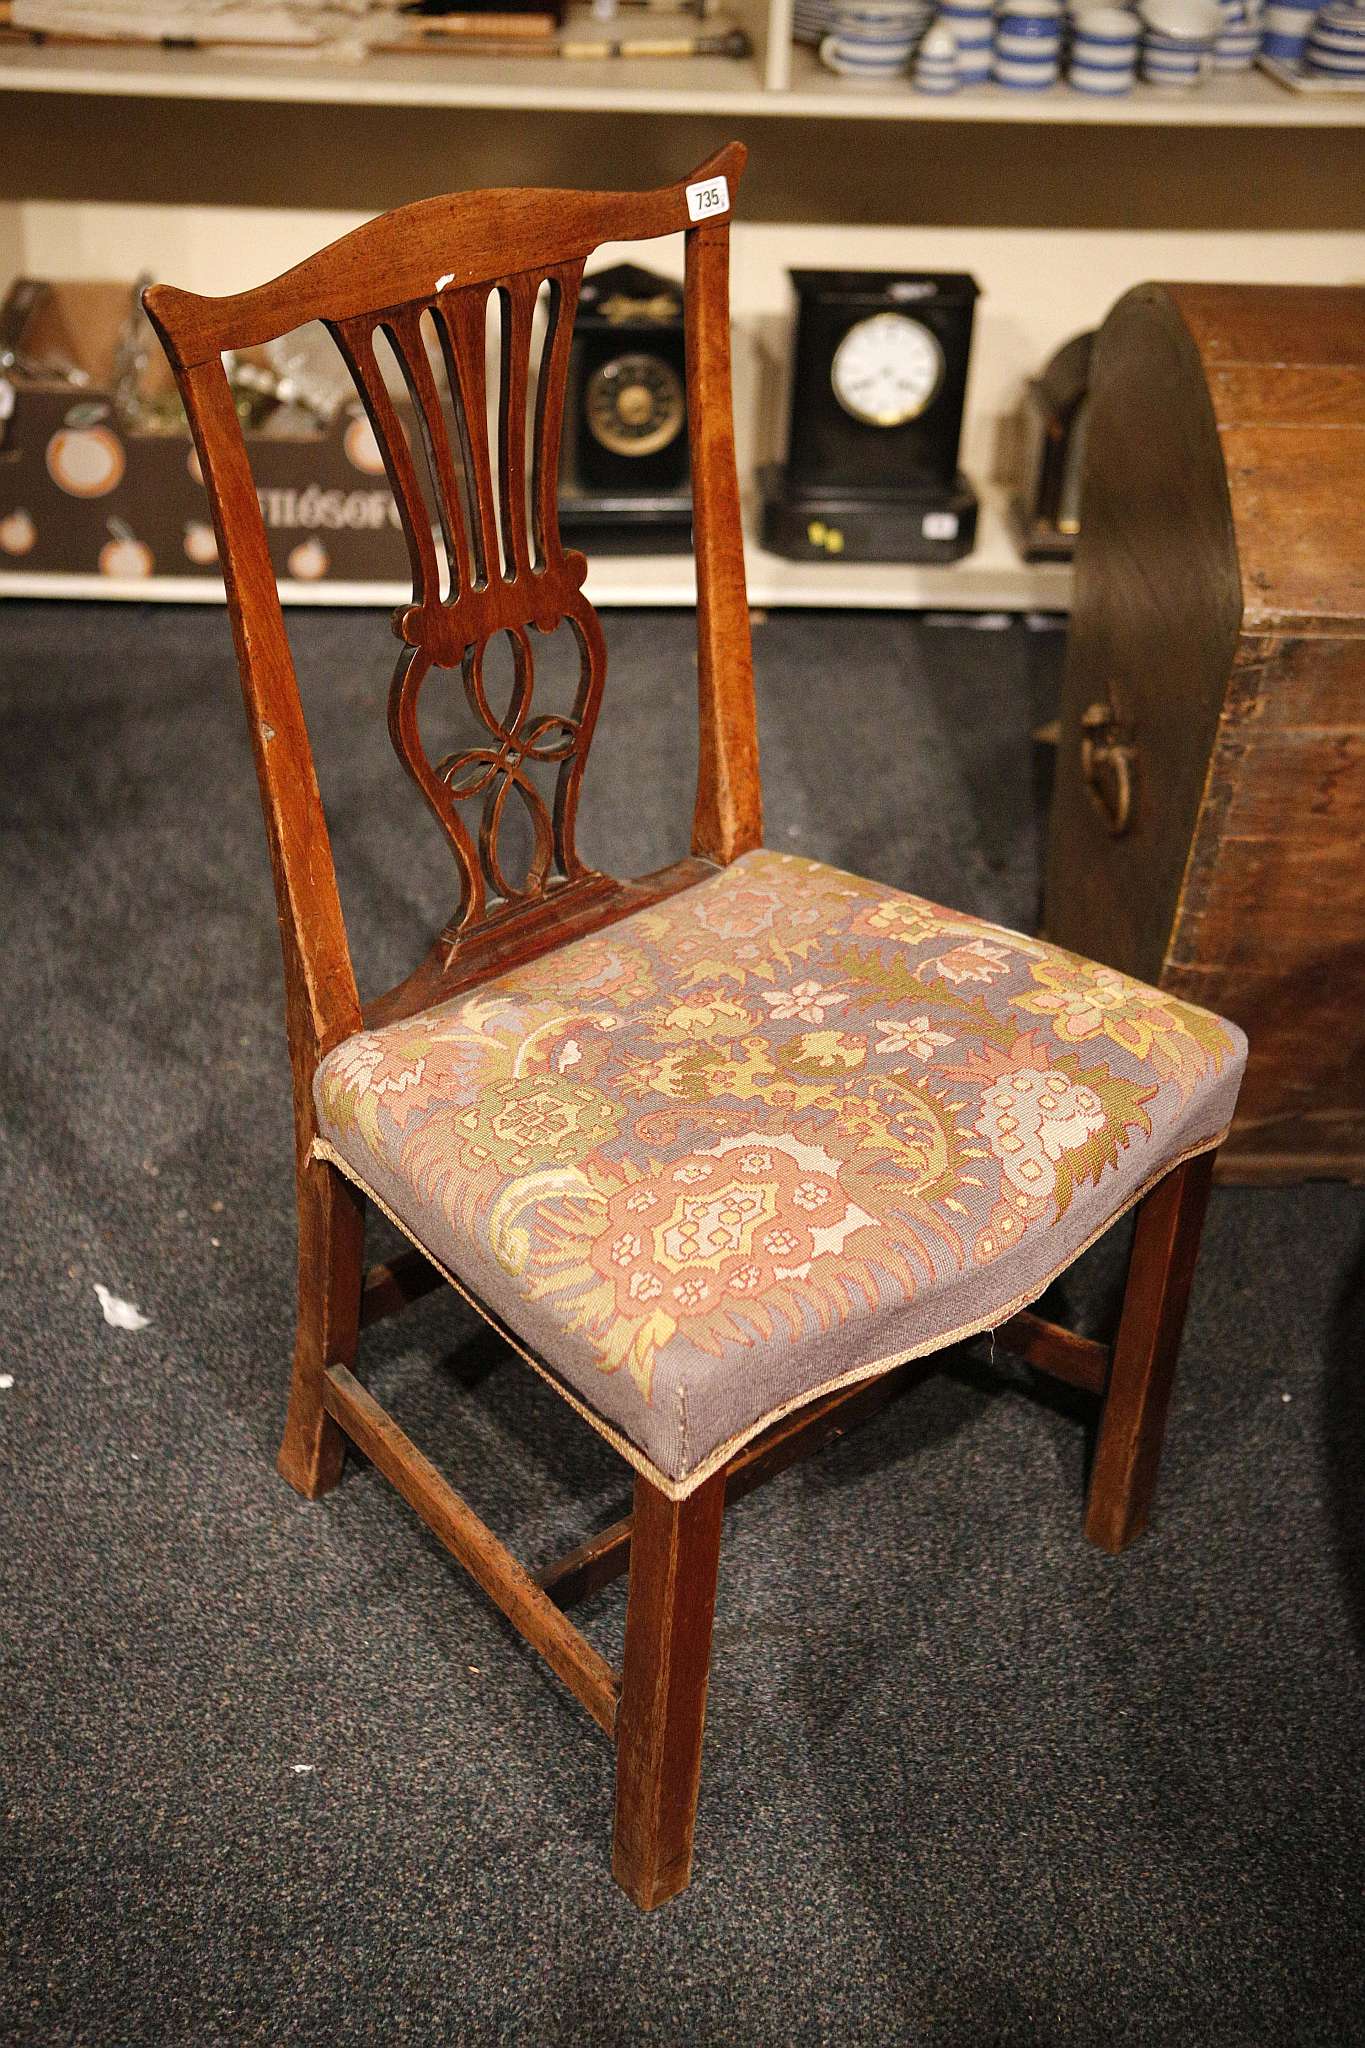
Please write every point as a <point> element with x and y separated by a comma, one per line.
<point>782,1129</point>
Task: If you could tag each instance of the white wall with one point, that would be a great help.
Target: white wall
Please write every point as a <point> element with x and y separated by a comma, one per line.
<point>1039,285</point>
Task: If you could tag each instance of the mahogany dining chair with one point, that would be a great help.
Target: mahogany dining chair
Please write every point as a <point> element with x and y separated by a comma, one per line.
<point>719,1151</point>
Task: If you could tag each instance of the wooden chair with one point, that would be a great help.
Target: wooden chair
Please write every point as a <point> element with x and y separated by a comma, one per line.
<point>703,1408</point>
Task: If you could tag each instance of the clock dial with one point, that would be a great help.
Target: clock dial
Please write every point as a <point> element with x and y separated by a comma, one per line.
<point>886,369</point>
<point>635,404</point>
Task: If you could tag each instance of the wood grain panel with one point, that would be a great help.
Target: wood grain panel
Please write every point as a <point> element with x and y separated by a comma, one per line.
<point>1315,890</point>
<point>1249,722</point>
<point>1154,625</point>
<point>1285,325</point>
<point>1300,681</point>
<point>1298,500</point>
<point>1319,394</point>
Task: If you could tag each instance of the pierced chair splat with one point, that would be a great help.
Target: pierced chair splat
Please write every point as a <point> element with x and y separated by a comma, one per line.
<point>721,1151</point>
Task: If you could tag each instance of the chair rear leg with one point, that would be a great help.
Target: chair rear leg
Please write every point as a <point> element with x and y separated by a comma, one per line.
<point>674,1555</point>
<point>1133,1423</point>
<point>331,1249</point>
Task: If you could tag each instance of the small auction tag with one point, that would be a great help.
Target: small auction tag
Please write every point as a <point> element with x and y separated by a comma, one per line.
<point>706,200</point>
<point>939,526</point>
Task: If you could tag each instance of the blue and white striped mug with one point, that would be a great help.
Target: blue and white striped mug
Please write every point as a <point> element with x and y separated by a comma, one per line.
<point>973,27</point>
<point>1028,44</point>
<point>1237,40</point>
<point>936,69</point>
<point>1284,28</point>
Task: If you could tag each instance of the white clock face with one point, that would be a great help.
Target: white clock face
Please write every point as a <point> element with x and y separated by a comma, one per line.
<point>886,369</point>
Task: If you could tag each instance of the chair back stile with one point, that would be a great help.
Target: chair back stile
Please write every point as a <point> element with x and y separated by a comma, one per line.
<point>728,820</point>
<point>322,1004</point>
<point>432,267</point>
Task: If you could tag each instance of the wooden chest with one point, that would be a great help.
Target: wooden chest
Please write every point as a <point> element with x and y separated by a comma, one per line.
<point>1208,827</point>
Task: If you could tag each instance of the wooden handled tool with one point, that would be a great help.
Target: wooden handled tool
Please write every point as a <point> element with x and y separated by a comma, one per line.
<point>735,42</point>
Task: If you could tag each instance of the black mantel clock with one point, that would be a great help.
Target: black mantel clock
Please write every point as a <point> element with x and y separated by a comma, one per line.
<point>878,382</point>
<point>624,477</point>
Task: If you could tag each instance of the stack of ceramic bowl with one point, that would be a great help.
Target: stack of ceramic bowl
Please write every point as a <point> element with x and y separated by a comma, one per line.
<point>1284,29</point>
<point>1177,42</point>
<point>1028,45</point>
<point>1238,39</point>
<point>1335,47</point>
<point>1104,50</point>
<point>1076,10</point>
<point>812,21</point>
<point>871,41</point>
<point>972,23</point>
<point>936,64</point>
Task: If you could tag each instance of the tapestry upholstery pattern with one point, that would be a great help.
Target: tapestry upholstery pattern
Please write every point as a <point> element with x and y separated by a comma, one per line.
<point>784,1127</point>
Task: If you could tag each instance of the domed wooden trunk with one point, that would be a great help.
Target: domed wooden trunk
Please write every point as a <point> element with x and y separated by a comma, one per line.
<point>1208,828</point>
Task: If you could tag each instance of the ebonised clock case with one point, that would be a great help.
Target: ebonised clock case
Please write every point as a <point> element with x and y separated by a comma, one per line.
<point>864,489</point>
<point>614,495</point>
<point>828,448</point>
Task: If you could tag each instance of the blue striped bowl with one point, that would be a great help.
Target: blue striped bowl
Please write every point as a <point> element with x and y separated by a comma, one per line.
<point>1027,48</point>
<point>974,63</point>
<point>1166,62</point>
<point>1020,74</point>
<point>1339,28</point>
<point>1331,63</point>
<point>1103,30</point>
<point>1032,28</point>
<point>1106,60</point>
<point>1108,79</point>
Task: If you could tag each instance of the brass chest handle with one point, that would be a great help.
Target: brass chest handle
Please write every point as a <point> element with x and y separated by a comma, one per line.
<point>1109,763</point>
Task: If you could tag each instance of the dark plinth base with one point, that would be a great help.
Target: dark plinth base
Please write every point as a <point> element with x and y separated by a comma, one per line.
<point>621,525</point>
<point>1039,539</point>
<point>932,525</point>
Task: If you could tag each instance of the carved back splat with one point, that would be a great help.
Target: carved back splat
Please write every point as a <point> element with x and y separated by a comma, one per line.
<point>438,261</point>
<point>499,582</point>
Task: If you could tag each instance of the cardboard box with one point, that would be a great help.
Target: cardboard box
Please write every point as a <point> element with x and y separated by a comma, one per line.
<point>81,494</point>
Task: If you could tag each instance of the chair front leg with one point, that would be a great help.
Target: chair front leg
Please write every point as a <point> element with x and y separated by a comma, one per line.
<point>674,1556</point>
<point>331,1251</point>
<point>1141,1375</point>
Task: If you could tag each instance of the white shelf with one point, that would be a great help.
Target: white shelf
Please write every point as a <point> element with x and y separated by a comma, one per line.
<point>1020,325</point>
<point>1245,99</point>
<point>635,85</point>
<point>706,85</point>
<point>992,578</point>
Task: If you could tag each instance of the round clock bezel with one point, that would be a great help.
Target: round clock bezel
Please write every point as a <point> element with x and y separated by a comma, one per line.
<point>664,434</point>
<point>902,418</point>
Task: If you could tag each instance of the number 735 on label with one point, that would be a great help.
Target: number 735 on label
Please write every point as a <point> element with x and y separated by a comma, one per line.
<point>707,199</point>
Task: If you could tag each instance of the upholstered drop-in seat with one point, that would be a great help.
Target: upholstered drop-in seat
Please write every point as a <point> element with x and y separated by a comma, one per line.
<point>784,1128</point>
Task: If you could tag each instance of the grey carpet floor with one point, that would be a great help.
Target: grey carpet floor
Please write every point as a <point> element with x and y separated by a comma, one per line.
<point>276,1773</point>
